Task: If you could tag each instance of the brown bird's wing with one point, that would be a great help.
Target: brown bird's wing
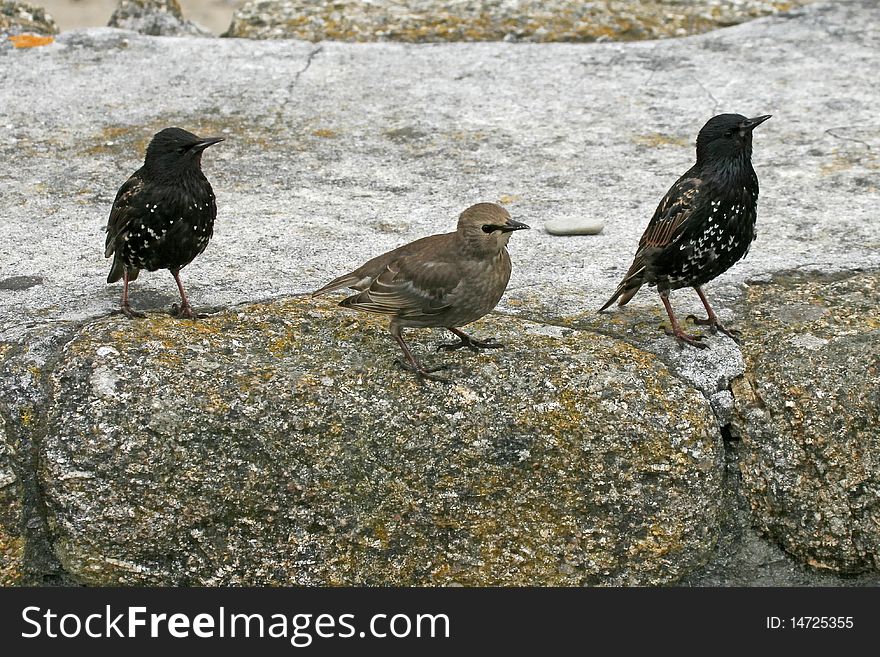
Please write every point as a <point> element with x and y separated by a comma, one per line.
<point>362,277</point>
<point>413,286</point>
<point>122,213</point>
<point>667,224</point>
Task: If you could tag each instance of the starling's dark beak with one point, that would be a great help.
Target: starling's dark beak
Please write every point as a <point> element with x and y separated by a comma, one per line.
<point>198,147</point>
<point>512,225</point>
<point>751,124</point>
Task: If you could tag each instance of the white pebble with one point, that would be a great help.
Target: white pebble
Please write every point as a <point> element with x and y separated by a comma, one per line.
<point>574,226</point>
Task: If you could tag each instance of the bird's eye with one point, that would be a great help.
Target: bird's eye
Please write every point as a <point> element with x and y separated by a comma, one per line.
<point>181,149</point>
<point>728,134</point>
<point>488,228</point>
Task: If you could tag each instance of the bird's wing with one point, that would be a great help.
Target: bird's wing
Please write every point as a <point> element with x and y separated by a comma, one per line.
<point>672,214</point>
<point>122,212</point>
<point>364,276</point>
<point>412,286</point>
<point>666,226</point>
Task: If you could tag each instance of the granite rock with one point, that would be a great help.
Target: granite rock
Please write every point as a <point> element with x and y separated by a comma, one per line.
<point>279,444</point>
<point>155,18</point>
<point>808,412</point>
<point>22,17</point>
<point>493,20</point>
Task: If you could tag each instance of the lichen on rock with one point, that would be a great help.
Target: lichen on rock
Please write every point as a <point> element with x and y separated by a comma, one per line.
<point>278,444</point>
<point>508,20</point>
<point>808,413</point>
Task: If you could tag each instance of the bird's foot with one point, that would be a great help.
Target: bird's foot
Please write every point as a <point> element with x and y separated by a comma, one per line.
<point>470,343</point>
<point>693,340</point>
<point>185,312</point>
<point>715,326</point>
<point>131,314</point>
<point>424,372</point>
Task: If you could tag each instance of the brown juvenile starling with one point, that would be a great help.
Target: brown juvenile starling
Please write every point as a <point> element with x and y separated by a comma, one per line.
<point>447,280</point>
<point>163,216</point>
<point>704,224</point>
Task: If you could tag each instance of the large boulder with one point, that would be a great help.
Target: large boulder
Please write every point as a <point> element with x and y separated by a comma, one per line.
<point>22,17</point>
<point>279,444</point>
<point>808,413</point>
<point>11,536</point>
<point>473,20</point>
<point>155,18</point>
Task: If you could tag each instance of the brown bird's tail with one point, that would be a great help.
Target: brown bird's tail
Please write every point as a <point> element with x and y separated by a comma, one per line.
<point>347,280</point>
<point>628,287</point>
<point>117,269</point>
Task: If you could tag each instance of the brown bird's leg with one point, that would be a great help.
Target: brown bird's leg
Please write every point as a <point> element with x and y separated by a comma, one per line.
<point>469,342</point>
<point>413,365</point>
<point>712,319</point>
<point>126,309</point>
<point>185,309</point>
<point>693,340</point>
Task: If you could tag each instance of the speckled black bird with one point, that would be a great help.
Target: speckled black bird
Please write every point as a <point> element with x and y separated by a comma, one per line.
<point>447,280</point>
<point>704,224</point>
<point>163,216</point>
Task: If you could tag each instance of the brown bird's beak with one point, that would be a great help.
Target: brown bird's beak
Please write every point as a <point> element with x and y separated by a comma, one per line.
<point>751,124</point>
<point>508,227</point>
<point>198,147</point>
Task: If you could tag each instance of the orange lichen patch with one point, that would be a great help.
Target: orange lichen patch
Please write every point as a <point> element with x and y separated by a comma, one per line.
<point>30,40</point>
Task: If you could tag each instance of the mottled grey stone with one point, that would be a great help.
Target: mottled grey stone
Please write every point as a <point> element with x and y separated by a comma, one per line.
<point>11,536</point>
<point>23,17</point>
<point>490,20</point>
<point>279,444</point>
<point>338,151</point>
<point>808,412</point>
<point>155,18</point>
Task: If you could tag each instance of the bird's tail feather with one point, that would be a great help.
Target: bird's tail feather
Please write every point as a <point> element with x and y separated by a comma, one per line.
<point>348,280</point>
<point>628,287</point>
<point>117,269</point>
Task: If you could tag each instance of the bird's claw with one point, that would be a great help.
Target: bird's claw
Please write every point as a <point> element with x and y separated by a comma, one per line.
<point>470,343</point>
<point>131,314</point>
<point>184,312</point>
<point>693,340</point>
<point>716,326</point>
<point>424,372</point>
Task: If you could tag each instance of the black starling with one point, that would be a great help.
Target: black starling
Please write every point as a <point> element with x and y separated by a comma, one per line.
<point>163,216</point>
<point>704,224</point>
<point>447,280</point>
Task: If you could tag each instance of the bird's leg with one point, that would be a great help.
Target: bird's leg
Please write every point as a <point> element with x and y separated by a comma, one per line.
<point>469,342</point>
<point>185,309</point>
<point>712,320</point>
<point>126,309</point>
<point>412,364</point>
<point>693,340</point>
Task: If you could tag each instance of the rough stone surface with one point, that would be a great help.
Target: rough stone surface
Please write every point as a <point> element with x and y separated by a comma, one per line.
<point>22,17</point>
<point>276,444</point>
<point>155,18</point>
<point>339,151</point>
<point>492,20</point>
<point>808,412</point>
<point>11,539</point>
